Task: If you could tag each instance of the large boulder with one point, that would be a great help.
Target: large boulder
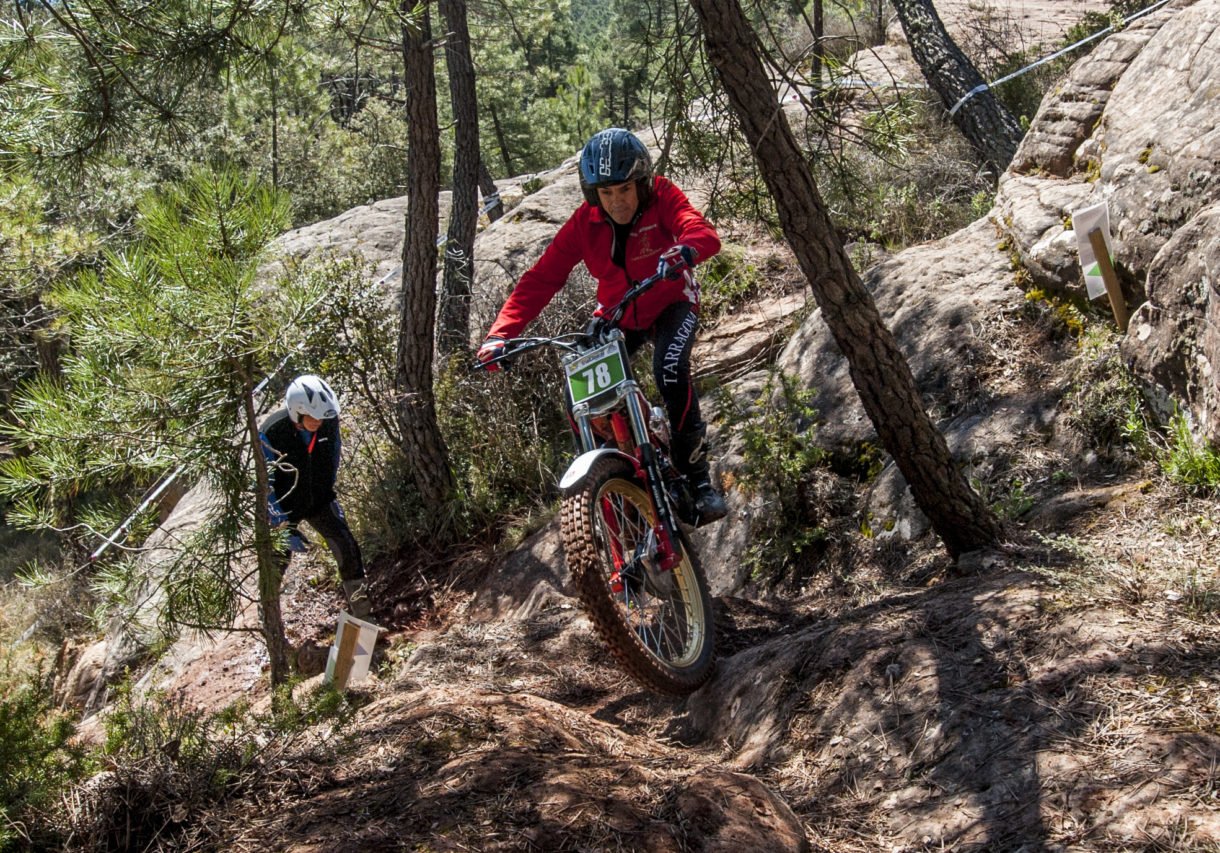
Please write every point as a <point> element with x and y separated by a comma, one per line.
<point>1092,141</point>
<point>1135,126</point>
<point>941,300</point>
<point>1173,338</point>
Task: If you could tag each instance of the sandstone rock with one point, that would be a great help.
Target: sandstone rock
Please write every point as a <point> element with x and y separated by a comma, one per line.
<point>1173,336</point>
<point>1135,125</point>
<point>532,577</point>
<point>81,680</point>
<point>937,299</point>
<point>1036,214</point>
<point>1068,116</point>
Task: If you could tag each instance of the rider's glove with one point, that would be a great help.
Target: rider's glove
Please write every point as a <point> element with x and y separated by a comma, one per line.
<point>675,259</point>
<point>492,348</point>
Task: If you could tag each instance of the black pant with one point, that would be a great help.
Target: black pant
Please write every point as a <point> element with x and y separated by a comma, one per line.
<point>332,526</point>
<point>672,335</point>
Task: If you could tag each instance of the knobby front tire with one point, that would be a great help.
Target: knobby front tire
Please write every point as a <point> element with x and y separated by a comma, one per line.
<point>658,625</point>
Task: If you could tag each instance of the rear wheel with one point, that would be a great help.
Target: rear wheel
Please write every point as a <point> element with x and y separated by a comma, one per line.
<point>658,624</point>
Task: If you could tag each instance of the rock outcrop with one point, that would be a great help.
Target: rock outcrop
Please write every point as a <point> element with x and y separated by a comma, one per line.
<point>1135,126</point>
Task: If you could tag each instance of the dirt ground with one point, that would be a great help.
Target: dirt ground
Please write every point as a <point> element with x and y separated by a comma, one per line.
<point>1062,693</point>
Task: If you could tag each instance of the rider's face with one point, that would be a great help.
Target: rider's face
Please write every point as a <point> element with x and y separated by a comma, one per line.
<point>619,201</point>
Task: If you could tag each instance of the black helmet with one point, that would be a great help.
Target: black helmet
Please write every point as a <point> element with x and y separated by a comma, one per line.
<point>615,156</point>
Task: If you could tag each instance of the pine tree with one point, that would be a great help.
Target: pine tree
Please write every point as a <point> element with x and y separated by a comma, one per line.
<point>879,370</point>
<point>170,340</point>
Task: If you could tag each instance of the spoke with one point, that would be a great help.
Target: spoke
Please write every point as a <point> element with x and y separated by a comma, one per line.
<point>657,609</point>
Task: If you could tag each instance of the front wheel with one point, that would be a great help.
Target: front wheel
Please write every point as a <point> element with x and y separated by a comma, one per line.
<point>658,624</point>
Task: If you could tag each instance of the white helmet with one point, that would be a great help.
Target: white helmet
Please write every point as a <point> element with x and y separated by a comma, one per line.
<point>310,395</point>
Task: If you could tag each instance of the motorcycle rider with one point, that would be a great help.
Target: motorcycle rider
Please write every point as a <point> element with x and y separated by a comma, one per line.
<point>632,220</point>
<point>301,446</point>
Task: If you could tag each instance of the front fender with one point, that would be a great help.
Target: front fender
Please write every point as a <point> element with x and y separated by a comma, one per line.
<point>580,466</point>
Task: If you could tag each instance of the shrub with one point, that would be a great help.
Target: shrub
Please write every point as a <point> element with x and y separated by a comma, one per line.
<point>168,765</point>
<point>1104,401</point>
<point>36,759</point>
<point>1190,461</point>
<point>783,464</point>
<point>729,281</point>
<point>910,177</point>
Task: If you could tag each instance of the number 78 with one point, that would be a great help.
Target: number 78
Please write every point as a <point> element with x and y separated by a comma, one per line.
<point>597,376</point>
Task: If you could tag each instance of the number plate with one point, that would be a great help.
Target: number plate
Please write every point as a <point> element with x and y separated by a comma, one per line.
<point>596,372</point>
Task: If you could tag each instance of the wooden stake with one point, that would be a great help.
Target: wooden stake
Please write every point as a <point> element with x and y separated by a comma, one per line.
<point>1119,305</point>
<point>346,655</point>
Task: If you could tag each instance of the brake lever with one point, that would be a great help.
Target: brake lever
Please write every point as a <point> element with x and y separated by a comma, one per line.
<point>502,361</point>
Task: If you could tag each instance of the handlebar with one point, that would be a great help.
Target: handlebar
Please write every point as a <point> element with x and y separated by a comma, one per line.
<point>572,340</point>
<point>611,321</point>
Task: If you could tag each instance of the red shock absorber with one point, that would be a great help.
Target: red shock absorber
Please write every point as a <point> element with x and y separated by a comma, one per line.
<point>622,432</point>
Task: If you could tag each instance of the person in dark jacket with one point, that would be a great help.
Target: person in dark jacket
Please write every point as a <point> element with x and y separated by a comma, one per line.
<point>631,221</point>
<point>301,445</point>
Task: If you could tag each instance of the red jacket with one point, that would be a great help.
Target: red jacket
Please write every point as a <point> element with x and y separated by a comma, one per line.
<point>587,236</point>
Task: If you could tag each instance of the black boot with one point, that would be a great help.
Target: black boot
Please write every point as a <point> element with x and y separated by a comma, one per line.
<point>357,594</point>
<point>690,458</point>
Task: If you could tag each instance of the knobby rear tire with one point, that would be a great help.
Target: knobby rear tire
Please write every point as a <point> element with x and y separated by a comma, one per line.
<point>659,628</point>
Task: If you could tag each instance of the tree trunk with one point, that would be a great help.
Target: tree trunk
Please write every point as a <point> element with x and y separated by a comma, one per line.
<point>878,368</point>
<point>491,193</point>
<point>270,616</point>
<point>987,124</point>
<point>501,141</point>
<point>819,51</point>
<point>421,435</point>
<point>453,334</point>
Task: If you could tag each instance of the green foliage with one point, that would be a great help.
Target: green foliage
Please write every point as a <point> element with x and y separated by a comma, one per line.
<point>1065,313</point>
<point>781,462</point>
<point>336,144</point>
<point>1190,461</point>
<point>169,765</point>
<point>1104,401</point>
<point>574,110</point>
<point>508,439</point>
<point>169,340</point>
<point>908,178</point>
<point>35,253</point>
<point>1009,501</point>
<point>37,760</point>
<point>521,51</point>
<point>729,281</point>
<point>111,73</point>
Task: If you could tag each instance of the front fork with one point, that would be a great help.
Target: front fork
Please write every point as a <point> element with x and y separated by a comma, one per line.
<point>667,551</point>
<point>633,436</point>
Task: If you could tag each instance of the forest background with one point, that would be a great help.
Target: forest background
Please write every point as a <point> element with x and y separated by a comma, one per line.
<point>151,155</point>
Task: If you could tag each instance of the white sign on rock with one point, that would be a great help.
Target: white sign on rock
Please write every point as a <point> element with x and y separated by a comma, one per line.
<point>1083,222</point>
